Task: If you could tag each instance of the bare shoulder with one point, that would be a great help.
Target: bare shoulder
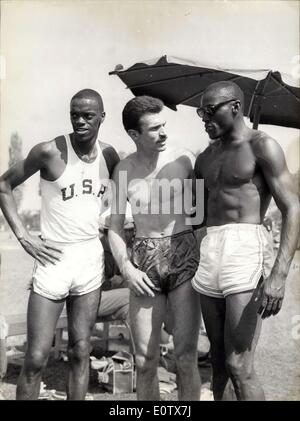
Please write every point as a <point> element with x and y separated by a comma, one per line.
<point>48,150</point>
<point>110,155</point>
<point>177,153</point>
<point>183,155</point>
<point>268,153</point>
<point>107,147</point>
<point>38,159</point>
<point>109,152</point>
<point>264,146</point>
<point>127,164</point>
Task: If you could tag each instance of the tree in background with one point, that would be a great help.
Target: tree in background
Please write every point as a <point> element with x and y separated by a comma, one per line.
<point>16,155</point>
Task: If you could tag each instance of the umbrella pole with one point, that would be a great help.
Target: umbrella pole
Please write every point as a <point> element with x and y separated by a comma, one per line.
<point>256,117</point>
<point>258,94</point>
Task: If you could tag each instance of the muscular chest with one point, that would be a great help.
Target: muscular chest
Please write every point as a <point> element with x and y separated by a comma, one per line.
<point>160,186</point>
<point>231,167</point>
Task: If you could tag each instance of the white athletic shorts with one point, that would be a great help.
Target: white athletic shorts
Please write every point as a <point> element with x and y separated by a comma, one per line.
<point>80,270</point>
<point>233,258</point>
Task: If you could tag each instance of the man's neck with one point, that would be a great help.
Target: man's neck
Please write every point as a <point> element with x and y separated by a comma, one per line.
<point>149,158</point>
<point>237,134</point>
<point>84,149</point>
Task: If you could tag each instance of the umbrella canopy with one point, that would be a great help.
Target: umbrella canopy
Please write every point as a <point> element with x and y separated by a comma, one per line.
<point>269,99</point>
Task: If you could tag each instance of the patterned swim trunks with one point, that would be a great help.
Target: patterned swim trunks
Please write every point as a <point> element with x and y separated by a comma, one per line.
<point>168,261</point>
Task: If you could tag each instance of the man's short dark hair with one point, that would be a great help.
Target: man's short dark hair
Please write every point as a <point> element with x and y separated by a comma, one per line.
<point>137,107</point>
<point>89,93</point>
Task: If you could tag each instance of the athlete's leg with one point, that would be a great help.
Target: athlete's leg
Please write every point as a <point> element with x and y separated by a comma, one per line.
<point>82,312</point>
<point>242,330</point>
<point>42,316</point>
<point>214,311</point>
<point>184,305</point>
<point>146,318</point>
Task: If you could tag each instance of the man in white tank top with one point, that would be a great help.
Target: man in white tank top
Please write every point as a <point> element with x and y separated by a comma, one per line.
<point>69,258</point>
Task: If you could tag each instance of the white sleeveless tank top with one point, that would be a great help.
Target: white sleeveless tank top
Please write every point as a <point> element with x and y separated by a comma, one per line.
<point>72,204</point>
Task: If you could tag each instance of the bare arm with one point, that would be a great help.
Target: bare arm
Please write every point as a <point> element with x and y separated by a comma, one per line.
<point>271,161</point>
<point>138,281</point>
<point>15,176</point>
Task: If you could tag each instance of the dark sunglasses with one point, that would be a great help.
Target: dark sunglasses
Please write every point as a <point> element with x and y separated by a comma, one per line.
<point>210,110</point>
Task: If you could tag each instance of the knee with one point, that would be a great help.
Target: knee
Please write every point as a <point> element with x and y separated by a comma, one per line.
<point>146,363</point>
<point>35,360</point>
<point>186,360</point>
<point>79,351</point>
<point>237,367</point>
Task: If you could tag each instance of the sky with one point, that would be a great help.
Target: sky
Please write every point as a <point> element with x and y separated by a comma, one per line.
<point>52,49</point>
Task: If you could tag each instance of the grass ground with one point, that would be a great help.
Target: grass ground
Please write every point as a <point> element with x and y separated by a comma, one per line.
<point>277,356</point>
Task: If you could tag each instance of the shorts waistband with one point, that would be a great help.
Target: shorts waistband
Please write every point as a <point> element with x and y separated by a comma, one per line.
<point>65,244</point>
<point>178,234</point>
<point>234,227</point>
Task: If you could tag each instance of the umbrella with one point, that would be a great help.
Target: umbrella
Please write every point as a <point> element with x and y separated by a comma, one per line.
<point>269,99</point>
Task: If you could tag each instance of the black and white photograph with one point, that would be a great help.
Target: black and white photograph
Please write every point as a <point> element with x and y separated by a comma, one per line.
<point>150,202</point>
